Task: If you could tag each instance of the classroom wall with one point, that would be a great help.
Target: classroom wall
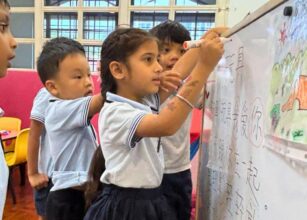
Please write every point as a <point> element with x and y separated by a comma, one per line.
<point>17,91</point>
<point>238,9</point>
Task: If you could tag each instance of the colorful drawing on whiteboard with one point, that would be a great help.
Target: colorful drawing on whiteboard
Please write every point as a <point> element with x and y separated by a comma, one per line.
<point>288,92</point>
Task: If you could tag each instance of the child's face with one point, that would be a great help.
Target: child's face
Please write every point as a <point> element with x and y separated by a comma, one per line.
<point>143,72</point>
<point>170,54</point>
<point>73,79</point>
<point>7,41</point>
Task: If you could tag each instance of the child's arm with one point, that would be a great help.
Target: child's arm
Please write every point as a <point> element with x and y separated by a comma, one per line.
<point>37,180</point>
<point>187,62</point>
<point>96,104</point>
<point>200,100</point>
<point>174,114</point>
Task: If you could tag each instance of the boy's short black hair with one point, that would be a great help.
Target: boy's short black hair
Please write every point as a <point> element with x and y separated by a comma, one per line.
<point>171,31</point>
<point>5,3</point>
<point>53,53</point>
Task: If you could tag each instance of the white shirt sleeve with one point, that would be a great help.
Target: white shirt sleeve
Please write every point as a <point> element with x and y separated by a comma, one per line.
<point>40,104</point>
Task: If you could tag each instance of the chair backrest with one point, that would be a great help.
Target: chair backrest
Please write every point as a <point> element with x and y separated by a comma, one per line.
<point>10,123</point>
<point>21,146</point>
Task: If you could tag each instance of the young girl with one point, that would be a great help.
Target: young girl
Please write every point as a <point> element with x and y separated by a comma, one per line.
<point>130,125</point>
<point>7,47</point>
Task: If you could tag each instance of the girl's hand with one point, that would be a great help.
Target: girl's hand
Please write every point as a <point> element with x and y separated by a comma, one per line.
<point>170,81</point>
<point>217,30</point>
<point>211,50</point>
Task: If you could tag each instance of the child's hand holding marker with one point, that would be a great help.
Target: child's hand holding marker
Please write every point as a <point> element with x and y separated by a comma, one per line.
<point>196,43</point>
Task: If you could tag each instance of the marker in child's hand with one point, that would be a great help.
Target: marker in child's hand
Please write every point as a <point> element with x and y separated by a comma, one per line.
<point>196,43</point>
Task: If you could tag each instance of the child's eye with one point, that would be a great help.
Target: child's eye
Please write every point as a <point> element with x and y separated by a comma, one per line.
<point>182,51</point>
<point>77,77</point>
<point>165,50</point>
<point>148,59</point>
<point>3,27</point>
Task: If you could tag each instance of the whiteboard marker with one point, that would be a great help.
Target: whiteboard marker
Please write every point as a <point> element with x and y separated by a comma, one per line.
<point>196,43</point>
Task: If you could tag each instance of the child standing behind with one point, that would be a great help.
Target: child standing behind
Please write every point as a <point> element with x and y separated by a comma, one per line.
<point>130,126</point>
<point>39,158</point>
<point>64,71</point>
<point>177,181</point>
<point>7,50</point>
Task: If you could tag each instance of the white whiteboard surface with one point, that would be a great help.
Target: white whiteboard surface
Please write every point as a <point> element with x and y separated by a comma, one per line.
<point>255,166</point>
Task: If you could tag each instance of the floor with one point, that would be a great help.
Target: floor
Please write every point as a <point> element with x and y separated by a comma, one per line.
<point>24,207</point>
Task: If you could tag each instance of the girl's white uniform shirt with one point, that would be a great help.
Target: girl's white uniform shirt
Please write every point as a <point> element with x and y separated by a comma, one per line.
<point>130,161</point>
<point>38,111</point>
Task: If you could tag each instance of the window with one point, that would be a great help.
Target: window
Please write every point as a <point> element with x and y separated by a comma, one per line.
<point>93,56</point>
<point>91,21</point>
<point>147,20</point>
<point>24,29</point>
<point>24,56</point>
<point>97,26</point>
<point>60,25</point>
<point>195,2</point>
<point>23,3</point>
<point>150,2</point>
<point>196,23</point>
<point>64,3</point>
<point>100,3</point>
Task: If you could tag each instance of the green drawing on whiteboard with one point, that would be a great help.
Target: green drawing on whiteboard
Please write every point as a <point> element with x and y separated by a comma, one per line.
<point>288,98</point>
<point>297,134</point>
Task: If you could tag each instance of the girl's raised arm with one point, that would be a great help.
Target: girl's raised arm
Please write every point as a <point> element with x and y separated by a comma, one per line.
<point>174,114</point>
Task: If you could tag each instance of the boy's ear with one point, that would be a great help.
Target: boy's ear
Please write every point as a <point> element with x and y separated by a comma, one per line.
<point>117,69</point>
<point>51,87</point>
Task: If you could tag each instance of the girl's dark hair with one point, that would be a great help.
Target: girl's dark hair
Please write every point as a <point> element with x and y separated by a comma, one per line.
<point>118,46</point>
<point>94,186</point>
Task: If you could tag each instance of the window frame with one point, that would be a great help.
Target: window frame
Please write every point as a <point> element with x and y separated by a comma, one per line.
<point>123,9</point>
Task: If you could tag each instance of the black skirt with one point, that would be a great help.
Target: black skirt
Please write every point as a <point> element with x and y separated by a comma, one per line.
<point>117,203</point>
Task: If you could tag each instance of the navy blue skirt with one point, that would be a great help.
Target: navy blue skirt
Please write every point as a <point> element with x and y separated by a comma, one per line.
<point>177,189</point>
<point>117,203</point>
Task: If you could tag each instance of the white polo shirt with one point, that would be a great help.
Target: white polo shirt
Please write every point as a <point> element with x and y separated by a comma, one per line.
<point>72,141</point>
<point>4,175</point>
<point>176,148</point>
<point>131,161</point>
<point>38,111</point>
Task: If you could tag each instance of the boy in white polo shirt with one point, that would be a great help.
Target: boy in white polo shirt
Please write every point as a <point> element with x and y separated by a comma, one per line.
<point>39,158</point>
<point>7,50</point>
<point>177,181</point>
<point>64,71</point>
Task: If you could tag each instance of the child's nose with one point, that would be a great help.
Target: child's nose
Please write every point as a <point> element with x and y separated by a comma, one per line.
<point>175,55</point>
<point>13,42</point>
<point>89,80</point>
<point>158,67</point>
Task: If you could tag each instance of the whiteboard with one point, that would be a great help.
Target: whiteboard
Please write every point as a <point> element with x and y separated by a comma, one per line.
<point>255,164</point>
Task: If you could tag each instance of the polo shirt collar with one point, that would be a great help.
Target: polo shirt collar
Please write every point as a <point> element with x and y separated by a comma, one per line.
<point>116,98</point>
